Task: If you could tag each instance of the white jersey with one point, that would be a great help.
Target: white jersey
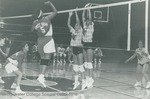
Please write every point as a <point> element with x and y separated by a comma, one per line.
<point>59,49</point>
<point>76,39</point>
<point>142,55</point>
<point>50,32</point>
<point>88,32</point>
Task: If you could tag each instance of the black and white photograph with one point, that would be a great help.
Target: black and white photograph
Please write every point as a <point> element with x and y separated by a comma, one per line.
<point>74,49</point>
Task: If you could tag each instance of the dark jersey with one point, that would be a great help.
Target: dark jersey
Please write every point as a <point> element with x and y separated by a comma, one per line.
<point>42,26</point>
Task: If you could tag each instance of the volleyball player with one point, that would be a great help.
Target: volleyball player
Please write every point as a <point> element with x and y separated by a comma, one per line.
<point>69,54</point>
<point>35,52</point>
<point>97,55</point>
<point>76,43</point>
<point>13,65</point>
<point>43,27</point>
<point>2,42</point>
<point>142,66</point>
<point>60,53</point>
<point>63,54</point>
<point>88,27</point>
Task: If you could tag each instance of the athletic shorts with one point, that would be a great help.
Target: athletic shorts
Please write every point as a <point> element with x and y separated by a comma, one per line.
<point>46,45</point>
<point>97,56</point>
<point>77,50</point>
<point>10,68</point>
<point>88,45</point>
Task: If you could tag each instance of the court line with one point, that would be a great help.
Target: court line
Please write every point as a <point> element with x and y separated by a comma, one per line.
<point>9,92</point>
<point>115,81</point>
<point>111,85</point>
<point>46,86</point>
<point>117,92</point>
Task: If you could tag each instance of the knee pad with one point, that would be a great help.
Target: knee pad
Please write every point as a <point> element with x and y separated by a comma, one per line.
<point>85,65</point>
<point>45,62</point>
<point>81,68</point>
<point>76,68</point>
<point>65,55</point>
<point>60,55</point>
<point>89,66</point>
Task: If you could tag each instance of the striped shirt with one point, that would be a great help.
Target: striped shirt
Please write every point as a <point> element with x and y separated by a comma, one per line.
<point>88,32</point>
<point>76,39</point>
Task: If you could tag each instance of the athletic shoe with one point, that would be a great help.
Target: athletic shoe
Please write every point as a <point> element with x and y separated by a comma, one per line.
<point>148,85</point>
<point>76,84</point>
<point>14,85</point>
<point>1,81</point>
<point>19,91</point>
<point>147,93</point>
<point>84,85</point>
<point>138,84</point>
<point>41,79</point>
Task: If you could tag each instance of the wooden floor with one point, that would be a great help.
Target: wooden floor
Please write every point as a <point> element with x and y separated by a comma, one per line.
<point>115,81</point>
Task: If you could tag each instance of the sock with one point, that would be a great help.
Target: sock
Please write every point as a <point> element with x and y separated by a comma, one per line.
<point>18,87</point>
<point>76,78</point>
<point>41,75</point>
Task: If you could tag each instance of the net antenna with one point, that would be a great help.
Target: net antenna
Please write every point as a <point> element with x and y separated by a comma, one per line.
<point>101,15</point>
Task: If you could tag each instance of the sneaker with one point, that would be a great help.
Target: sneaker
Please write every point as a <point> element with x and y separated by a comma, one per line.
<point>84,85</point>
<point>76,84</point>
<point>148,85</point>
<point>19,91</point>
<point>41,79</point>
<point>14,85</point>
<point>1,81</point>
<point>147,92</point>
<point>138,84</point>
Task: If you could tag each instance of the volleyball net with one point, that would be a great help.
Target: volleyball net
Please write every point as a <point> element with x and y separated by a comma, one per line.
<point>101,13</point>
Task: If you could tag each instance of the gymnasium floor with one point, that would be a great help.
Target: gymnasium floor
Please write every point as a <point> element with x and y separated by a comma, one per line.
<point>114,83</point>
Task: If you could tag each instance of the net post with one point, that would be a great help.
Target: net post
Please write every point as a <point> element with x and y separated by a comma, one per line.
<point>146,24</point>
<point>129,28</point>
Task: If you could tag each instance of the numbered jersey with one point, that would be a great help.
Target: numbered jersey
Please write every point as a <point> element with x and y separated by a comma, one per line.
<point>43,27</point>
